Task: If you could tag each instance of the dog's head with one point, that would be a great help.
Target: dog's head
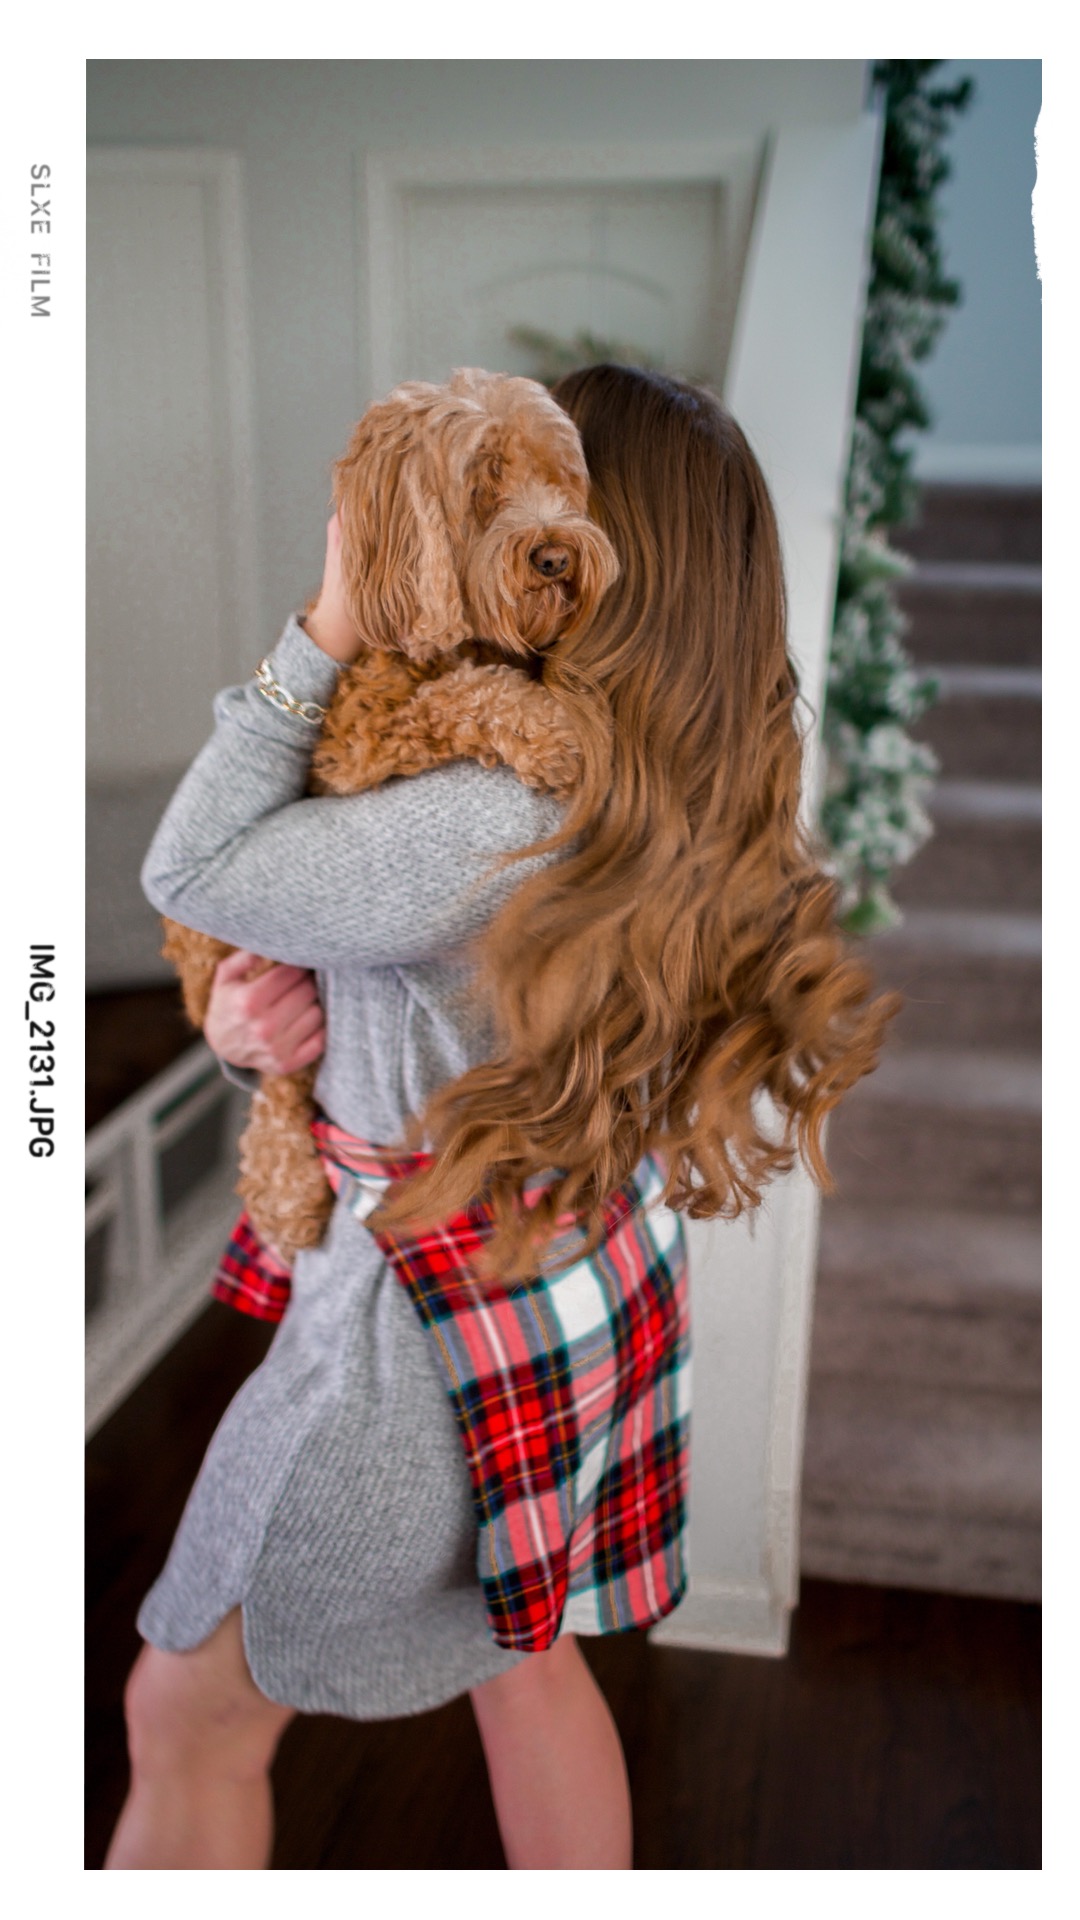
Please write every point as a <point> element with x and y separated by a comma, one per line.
<point>463,514</point>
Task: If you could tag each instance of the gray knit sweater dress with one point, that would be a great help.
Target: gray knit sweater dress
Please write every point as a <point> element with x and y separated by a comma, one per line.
<point>333,1505</point>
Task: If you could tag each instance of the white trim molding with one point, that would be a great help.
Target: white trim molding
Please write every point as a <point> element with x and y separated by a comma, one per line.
<point>945,464</point>
<point>752,1285</point>
<point>386,177</point>
<point>794,365</point>
<point>730,1616</point>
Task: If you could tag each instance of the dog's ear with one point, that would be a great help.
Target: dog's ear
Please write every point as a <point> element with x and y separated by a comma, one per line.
<point>397,560</point>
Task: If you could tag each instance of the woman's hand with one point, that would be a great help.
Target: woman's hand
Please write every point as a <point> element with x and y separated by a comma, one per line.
<point>328,620</point>
<point>273,1022</point>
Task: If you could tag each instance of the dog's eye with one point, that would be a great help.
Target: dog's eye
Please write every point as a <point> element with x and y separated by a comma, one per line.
<point>485,476</point>
<point>486,499</point>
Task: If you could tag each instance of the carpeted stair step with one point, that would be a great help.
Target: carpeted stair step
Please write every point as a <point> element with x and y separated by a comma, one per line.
<point>932,1295</point>
<point>940,1128</point>
<point>985,853</point>
<point>973,615</point>
<point>921,1486</point>
<point>968,979</point>
<point>999,524</point>
<point>987,724</point>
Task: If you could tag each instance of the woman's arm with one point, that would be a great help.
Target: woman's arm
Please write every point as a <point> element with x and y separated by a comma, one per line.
<point>390,876</point>
<point>397,875</point>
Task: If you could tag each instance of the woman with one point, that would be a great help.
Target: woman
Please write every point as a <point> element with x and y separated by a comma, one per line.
<point>651,965</point>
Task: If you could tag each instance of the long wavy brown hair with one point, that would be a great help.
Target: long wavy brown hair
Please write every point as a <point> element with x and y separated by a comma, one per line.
<point>675,980</point>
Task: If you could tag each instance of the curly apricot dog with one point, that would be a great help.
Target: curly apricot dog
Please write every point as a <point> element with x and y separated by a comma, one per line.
<point>466,553</point>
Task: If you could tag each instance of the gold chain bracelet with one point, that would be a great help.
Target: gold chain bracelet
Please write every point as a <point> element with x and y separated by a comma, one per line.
<point>279,696</point>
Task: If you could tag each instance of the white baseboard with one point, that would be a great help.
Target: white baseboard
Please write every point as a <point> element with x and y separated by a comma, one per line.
<point>726,1616</point>
<point>989,466</point>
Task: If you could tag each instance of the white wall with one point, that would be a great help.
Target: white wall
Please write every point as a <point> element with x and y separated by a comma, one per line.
<point>984,379</point>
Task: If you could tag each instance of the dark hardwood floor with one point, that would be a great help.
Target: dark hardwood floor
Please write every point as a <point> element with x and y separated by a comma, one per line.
<point>131,1035</point>
<point>902,1731</point>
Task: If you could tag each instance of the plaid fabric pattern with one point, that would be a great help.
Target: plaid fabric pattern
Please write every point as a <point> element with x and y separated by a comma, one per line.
<point>250,1277</point>
<point>571,1396</point>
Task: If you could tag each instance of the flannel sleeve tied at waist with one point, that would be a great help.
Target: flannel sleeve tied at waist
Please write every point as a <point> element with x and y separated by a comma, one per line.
<point>570,1393</point>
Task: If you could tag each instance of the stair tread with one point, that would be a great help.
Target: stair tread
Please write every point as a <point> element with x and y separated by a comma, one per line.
<point>990,862</point>
<point>1015,801</point>
<point>968,1003</point>
<point>961,616</point>
<point>960,930</point>
<point>976,576</point>
<point>957,683</point>
<point>995,1556</point>
<point>923,1448</point>
<point>934,1254</point>
<point>958,1078</point>
<point>972,521</point>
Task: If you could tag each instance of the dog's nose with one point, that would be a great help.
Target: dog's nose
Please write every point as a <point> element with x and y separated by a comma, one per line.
<point>551,561</point>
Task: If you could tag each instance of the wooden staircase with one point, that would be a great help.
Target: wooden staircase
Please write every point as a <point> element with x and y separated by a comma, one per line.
<point>922,1446</point>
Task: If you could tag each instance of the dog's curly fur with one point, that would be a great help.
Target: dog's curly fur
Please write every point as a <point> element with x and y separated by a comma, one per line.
<point>466,552</point>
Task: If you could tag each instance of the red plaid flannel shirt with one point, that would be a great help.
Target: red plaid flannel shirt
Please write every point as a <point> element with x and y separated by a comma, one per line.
<point>570,1392</point>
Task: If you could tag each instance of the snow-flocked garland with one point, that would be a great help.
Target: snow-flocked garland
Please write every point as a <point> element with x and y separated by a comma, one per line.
<point>874,815</point>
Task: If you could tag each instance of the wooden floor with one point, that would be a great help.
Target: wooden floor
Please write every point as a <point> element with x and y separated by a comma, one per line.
<point>131,1035</point>
<point>901,1732</point>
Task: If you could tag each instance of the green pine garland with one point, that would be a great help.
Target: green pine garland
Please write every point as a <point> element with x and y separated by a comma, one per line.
<point>873,816</point>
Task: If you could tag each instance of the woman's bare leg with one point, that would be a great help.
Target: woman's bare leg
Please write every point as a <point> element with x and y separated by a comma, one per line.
<point>558,1777</point>
<point>201,1739</point>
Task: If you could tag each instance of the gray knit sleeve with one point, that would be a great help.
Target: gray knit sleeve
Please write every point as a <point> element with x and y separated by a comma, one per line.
<point>400,874</point>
